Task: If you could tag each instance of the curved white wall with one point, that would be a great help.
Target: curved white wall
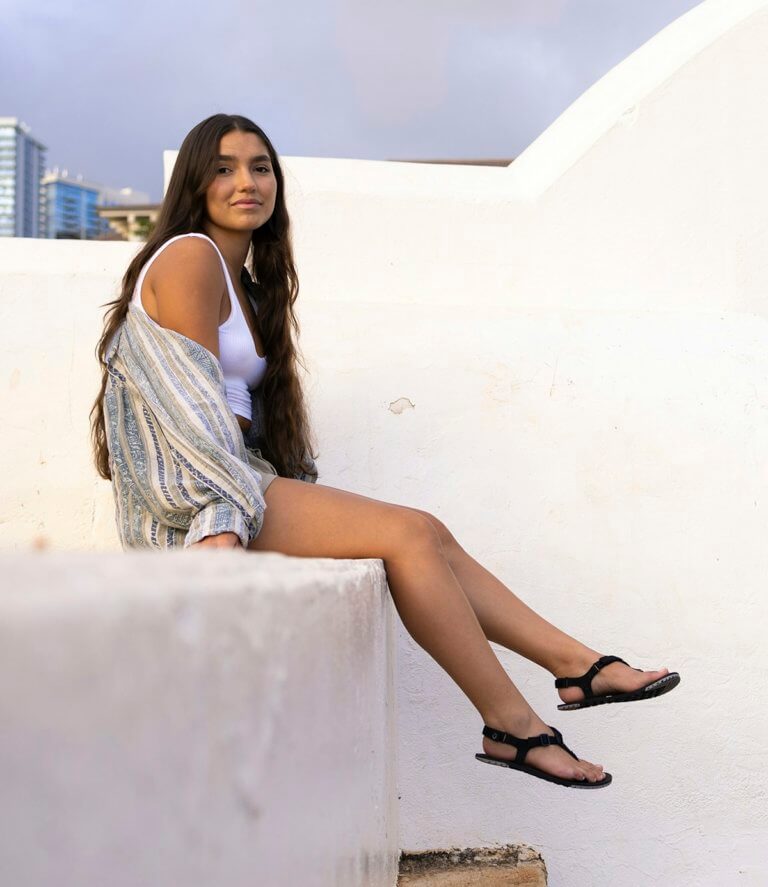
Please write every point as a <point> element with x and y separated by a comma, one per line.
<point>618,424</point>
<point>566,361</point>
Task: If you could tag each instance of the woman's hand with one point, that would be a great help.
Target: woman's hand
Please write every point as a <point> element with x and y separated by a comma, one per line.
<point>220,540</point>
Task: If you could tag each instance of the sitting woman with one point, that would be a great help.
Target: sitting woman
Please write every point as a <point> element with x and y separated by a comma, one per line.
<point>202,428</point>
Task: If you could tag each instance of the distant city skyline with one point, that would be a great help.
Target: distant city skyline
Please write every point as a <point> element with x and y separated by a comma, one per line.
<point>73,206</point>
<point>107,88</point>
<point>22,161</point>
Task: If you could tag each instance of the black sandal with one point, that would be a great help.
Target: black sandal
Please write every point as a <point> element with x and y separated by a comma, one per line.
<point>523,746</point>
<point>584,683</point>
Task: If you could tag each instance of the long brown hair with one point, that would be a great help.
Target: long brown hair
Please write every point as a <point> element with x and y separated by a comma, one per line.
<point>286,425</point>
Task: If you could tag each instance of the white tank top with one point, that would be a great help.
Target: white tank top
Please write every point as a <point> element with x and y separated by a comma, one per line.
<point>243,368</point>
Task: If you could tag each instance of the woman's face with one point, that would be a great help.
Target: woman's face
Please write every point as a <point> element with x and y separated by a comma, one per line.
<point>242,195</point>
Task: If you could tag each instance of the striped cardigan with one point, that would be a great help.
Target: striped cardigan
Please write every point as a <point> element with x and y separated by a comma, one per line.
<point>181,469</point>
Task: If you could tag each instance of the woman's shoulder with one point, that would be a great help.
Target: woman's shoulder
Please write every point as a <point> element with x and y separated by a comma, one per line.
<point>186,259</point>
<point>198,248</point>
<point>186,290</point>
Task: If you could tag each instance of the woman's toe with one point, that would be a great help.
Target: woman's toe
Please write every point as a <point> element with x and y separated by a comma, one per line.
<point>595,773</point>
<point>657,675</point>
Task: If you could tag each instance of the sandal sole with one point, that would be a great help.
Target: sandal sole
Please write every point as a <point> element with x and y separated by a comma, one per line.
<point>540,774</point>
<point>657,688</point>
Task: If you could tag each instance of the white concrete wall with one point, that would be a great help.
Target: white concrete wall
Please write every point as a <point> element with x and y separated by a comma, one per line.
<point>204,719</point>
<point>611,447</point>
<point>51,293</point>
<point>566,361</point>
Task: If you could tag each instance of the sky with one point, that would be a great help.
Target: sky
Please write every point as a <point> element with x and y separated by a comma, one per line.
<point>106,87</point>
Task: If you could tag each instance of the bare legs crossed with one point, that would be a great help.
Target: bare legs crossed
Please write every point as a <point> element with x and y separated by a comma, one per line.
<point>449,604</point>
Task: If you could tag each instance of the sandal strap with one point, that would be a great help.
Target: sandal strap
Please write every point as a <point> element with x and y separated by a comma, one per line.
<point>523,746</point>
<point>584,683</point>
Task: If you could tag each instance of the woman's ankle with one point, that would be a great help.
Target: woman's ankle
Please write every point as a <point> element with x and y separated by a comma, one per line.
<point>573,662</point>
<point>521,723</point>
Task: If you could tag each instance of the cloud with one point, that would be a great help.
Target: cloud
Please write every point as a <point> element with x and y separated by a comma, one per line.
<point>107,86</point>
<point>497,12</point>
<point>398,55</point>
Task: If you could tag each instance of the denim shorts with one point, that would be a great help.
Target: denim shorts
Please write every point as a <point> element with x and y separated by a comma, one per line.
<point>266,469</point>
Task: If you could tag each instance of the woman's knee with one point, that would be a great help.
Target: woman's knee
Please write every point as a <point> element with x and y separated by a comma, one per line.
<point>416,531</point>
<point>446,538</point>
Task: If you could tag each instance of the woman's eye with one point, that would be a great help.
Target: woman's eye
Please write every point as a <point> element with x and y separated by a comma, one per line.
<point>223,169</point>
<point>262,169</point>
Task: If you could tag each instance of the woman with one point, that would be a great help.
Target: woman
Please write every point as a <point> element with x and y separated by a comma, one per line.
<point>200,365</point>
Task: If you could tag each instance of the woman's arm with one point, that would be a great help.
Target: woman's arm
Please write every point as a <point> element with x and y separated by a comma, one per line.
<point>222,540</point>
<point>188,284</point>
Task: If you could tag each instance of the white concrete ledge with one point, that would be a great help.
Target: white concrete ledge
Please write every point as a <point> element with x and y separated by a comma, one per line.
<point>196,718</point>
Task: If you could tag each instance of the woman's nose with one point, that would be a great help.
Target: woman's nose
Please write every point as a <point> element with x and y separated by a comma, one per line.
<point>246,182</point>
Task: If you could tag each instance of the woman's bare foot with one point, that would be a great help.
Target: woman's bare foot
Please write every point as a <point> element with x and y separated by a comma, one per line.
<point>614,678</point>
<point>550,759</point>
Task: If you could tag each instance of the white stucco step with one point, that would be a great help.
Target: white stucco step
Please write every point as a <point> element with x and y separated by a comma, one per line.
<point>196,718</point>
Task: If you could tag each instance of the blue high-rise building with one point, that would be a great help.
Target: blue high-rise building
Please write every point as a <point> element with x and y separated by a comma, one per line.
<point>22,162</point>
<point>81,210</point>
<point>71,208</point>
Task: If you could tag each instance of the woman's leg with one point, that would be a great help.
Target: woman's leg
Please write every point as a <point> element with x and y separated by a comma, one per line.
<point>313,520</point>
<point>507,621</point>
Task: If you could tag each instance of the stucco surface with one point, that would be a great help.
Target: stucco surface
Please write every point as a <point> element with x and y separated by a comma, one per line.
<point>625,494</point>
<point>567,362</point>
<point>196,719</point>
